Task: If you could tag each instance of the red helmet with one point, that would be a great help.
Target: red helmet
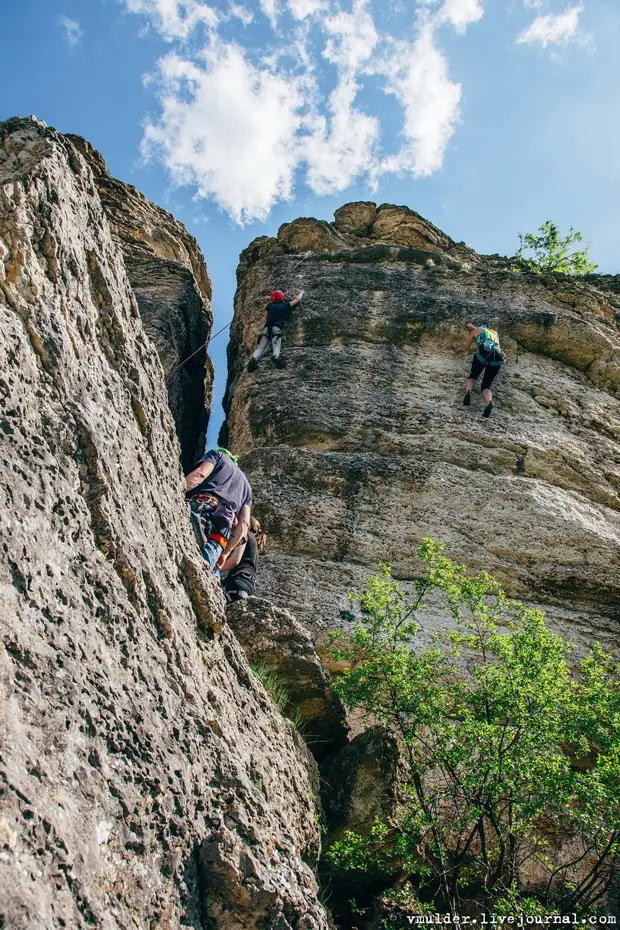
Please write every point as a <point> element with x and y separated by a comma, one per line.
<point>278,295</point>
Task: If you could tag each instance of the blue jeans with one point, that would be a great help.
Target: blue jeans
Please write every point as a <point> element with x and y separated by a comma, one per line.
<point>211,552</point>
<point>212,537</point>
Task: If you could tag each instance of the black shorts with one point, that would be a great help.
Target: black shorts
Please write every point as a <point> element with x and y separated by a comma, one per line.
<point>235,583</point>
<point>490,371</point>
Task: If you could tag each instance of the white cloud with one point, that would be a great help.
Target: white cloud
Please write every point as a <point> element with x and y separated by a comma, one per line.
<point>341,149</point>
<point>301,9</point>
<point>430,104</point>
<point>352,37</point>
<point>341,144</point>
<point>460,13</point>
<point>242,125</point>
<point>241,13</point>
<point>269,9</point>
<point>73,30</point>
<point>175,19</point>
<point>229,128</point>
<point>558,29</point>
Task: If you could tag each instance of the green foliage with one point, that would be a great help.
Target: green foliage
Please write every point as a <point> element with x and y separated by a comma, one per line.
<point>505,747</point>
<point>275,688</point>
<point>272,685</point>
<point>553,252</point>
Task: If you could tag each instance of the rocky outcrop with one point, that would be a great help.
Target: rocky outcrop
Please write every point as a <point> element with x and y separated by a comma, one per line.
<point>361,783</point>
<point>362,447</point>
<point>274,640</point>
<point>147,779</point>
<point>169,279</point>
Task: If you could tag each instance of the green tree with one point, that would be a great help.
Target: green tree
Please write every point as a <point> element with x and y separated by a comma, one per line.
<point>553,252</point>
<point>505,748</point>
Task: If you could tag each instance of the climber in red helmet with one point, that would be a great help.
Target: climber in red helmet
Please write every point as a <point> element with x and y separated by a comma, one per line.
<point>275,318</point>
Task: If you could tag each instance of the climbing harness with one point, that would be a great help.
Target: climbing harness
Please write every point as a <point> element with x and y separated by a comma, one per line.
<point>207,526</point>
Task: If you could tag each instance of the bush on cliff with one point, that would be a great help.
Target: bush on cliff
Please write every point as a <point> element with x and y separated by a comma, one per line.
<point>511,757</point>
<point>553,252</point>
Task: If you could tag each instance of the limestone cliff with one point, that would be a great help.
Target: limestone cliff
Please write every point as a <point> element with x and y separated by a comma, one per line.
<point>361,447</point>
<point>168,276</point>
<point>147,779</point>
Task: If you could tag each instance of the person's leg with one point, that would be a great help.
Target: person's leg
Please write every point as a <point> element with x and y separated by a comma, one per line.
<point>263,342</point>
<point>476,368</point>
<point>237,589</point>
<point>490,373</point>
<point>276,346</point>
<point>211,551</point>
<point>211,544</point>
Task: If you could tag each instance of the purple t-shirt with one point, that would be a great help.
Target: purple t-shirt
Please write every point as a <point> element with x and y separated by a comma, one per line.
<point>227,482</point>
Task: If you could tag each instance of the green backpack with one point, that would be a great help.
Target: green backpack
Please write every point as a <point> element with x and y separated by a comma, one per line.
<point>488,341</point>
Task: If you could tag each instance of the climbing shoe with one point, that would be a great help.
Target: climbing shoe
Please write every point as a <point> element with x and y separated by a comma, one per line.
<point>279,363</point>
<point>252,364</point>
<point>467,399</point>
<point>487,410</point>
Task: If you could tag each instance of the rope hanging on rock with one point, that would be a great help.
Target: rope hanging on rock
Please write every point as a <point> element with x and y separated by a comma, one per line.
<point>196,351</point>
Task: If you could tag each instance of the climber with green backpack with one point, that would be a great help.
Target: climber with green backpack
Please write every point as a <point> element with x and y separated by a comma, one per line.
<point>488,358</point>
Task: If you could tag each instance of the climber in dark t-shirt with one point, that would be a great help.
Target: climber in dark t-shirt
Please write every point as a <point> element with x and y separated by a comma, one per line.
<point>242,564</point>
<point>275,318</point>
<point>219,495</point>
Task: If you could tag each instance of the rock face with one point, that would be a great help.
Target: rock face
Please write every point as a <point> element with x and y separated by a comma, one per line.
<point>147,779</point>
<point>168,276</point>
<point>273,639</point>
<point>361,782</point>
<point>361,447</point>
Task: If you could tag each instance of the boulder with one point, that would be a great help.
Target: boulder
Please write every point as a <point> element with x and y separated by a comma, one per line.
<point>275,641</point>
<point>362,447</point>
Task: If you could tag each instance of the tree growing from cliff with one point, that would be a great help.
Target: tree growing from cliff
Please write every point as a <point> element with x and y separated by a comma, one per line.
<point>511,759</point>
<point>551,251</point>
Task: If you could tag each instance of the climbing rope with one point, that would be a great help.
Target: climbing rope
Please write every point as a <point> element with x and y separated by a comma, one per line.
<point>199,349</point>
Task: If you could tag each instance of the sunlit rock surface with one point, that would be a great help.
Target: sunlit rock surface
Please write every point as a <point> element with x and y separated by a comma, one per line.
<point>361,447</point>
<point>169,278</point>
<point>147,780</point>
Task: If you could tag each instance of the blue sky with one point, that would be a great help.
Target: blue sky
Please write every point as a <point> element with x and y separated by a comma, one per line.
<point>487,118</point>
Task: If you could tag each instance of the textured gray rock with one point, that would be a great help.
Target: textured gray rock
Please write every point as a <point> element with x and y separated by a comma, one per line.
<point>273,639</point>
<point>361,782</point>
<point>147,779</point>
<point>169,279</point>
<point>361,447</point>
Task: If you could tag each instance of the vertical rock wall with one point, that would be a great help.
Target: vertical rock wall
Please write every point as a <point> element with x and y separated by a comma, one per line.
<point>146,780</point>
<point>169,279</point>
<point>361,447</point>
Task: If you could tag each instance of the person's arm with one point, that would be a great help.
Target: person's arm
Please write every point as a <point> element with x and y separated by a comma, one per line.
<point>234,557</point>
<point>296,300</point>
<point>240,532</point>
<point>467,344</point>
<point>198,475</point>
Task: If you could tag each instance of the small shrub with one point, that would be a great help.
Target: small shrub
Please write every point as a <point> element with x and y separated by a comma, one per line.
<point>490,727</point>
<point>553,252</point>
